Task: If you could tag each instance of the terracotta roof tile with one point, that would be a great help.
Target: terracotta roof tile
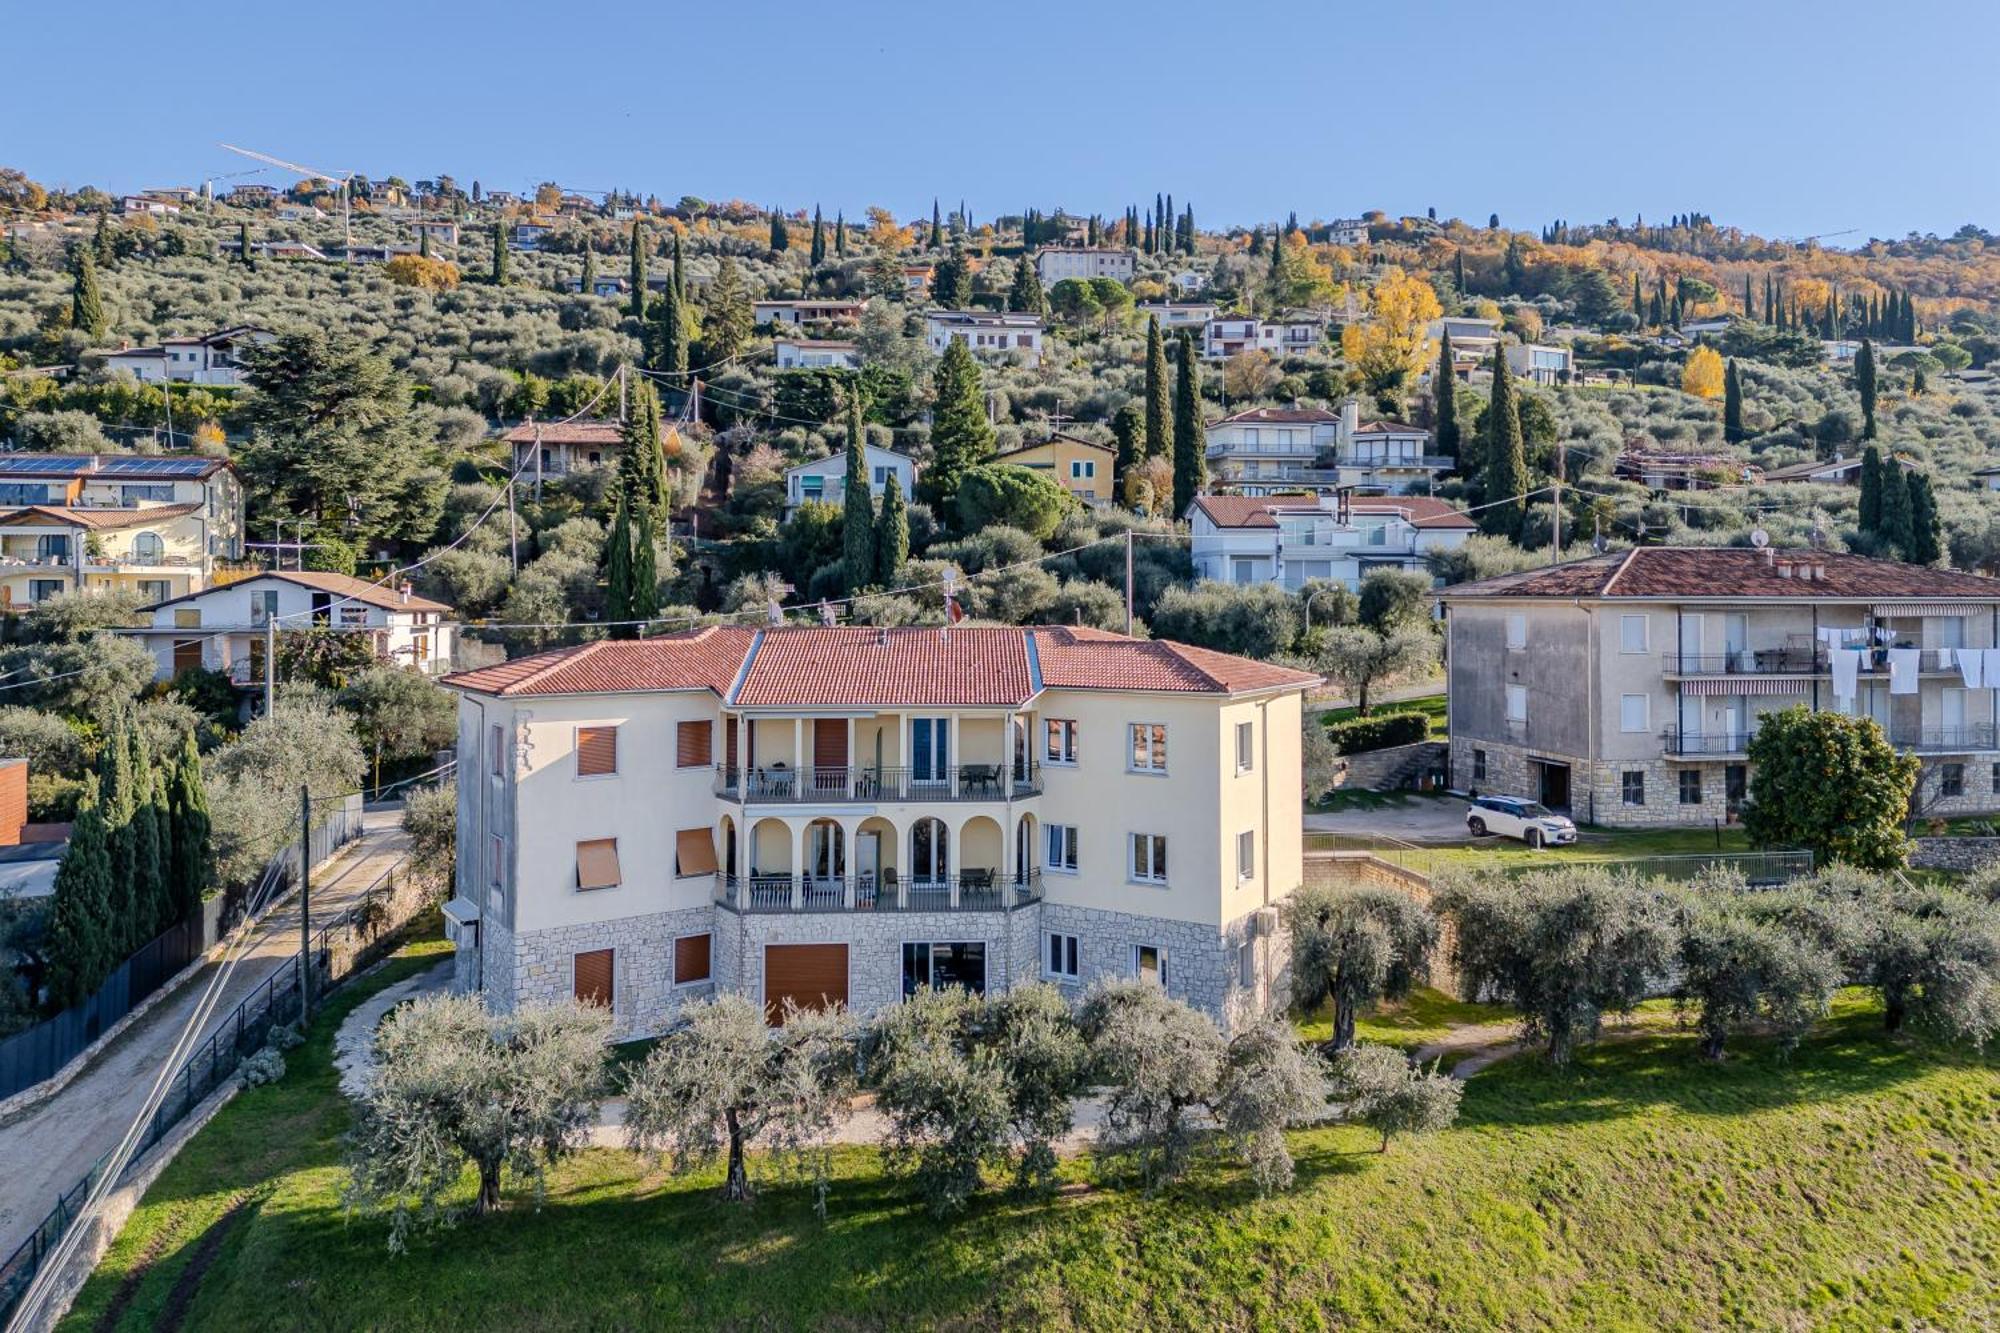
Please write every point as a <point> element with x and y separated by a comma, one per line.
<point>343,586</point>
<point>1258,511</point>
<point>1086,659</point>
<point>569,432</point>
<point>968,666</point>
<point>100,519</point>
<point>1697,572</point>
<point>707,658</point>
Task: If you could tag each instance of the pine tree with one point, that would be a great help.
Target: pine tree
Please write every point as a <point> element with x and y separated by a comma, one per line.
<point>1256,241</point>
<point>1159,418</point>
<point>818,252</point>
<point>499,255</point>
<point>638,272</point>
<point>892,533</point>
<point>961,436</point>
<point>1506,480</point>
<point>588,283</point>
<point>1444,388</point>
<point>80,949</point>
<point>858,506</point>
<point>1864,381</point>
<point>1026,294</point>
<point>188,832</point>
<point>86,302</point>
<point>1868,512</point>
<point>730,322</point>
<point>1190,432</point>
<point>1926,544</point>
<point>951,281</point>
<point>781,234</point>
<point>1898,526</point>
<point>618,572</point>
<point>1732,403</point>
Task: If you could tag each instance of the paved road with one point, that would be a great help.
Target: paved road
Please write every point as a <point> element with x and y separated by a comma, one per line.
<point>1415,818</point>
<point>46,1148</point>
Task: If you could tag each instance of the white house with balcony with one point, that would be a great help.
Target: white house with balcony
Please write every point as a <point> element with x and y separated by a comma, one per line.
<point>1292,333</point>
<point>1294,540</point>
<point>795,313</point>
<point>815,354</point>
<point>1539,362</point>
<point>986,332</point>
<point>206,359</point>
<point>1054,263</point>
<point>1349,232</point>
<point>824,480</point>
<point>808,816</point>
<point>1177,315</point>
<point>224,628</point>
<point>1278,450</point>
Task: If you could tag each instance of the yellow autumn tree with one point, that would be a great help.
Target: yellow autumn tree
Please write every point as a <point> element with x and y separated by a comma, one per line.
<point>886,233</point>
<point>1303,279</point>
<point>1392,343</point>
<point>432,275</point>
<point>1702,375</point>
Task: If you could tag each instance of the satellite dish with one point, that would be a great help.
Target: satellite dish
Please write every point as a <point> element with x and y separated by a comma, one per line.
<point>1759,538</point>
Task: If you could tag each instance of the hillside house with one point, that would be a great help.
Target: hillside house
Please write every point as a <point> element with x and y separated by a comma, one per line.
<point>795,313</point>
<point>1055,263</point>
<point>559,448</point>
<point>210,358</point>
<point>1082,467</point>
<point>986,332</point>
<point>815,354</point>
<point>824,480</point>
<point>1292,540</point>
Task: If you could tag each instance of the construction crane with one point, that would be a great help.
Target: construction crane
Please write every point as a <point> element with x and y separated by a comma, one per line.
<point>346,193</point>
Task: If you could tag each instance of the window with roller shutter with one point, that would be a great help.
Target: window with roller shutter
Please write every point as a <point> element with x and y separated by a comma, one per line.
<point>694,744</point>
<point>593,973</point>
<point>691,957</point>
<point>694,852</point>
<point>596,751</point>
<point>597,864</point>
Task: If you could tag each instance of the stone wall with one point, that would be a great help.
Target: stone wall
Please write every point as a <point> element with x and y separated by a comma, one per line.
<point>875,943</point>
<point>644,996</point>
<point>1201,968</point>
<point>1380,770</point>
<point>1955,853</point>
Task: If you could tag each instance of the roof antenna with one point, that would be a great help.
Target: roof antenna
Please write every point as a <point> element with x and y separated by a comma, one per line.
<point>774,613</point>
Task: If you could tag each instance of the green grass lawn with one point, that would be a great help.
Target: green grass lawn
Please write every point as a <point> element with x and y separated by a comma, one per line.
<point>1431,706</point>
<point>1852,1187</point>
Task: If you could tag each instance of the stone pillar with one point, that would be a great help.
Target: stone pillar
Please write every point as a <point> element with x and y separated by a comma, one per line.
<point>798,832</point>
<point>955,758</point>
<point>852,766</point>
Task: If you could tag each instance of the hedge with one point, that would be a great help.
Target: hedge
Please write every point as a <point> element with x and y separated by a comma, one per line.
<point>1379,732</point>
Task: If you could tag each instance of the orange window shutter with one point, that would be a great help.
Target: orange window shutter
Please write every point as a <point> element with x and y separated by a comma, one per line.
<point>691,959</point>
<point>593,977</point>
<point>597,864</point>
<point>694,852</point>
<point>694,745</point>
<point>596,751</point>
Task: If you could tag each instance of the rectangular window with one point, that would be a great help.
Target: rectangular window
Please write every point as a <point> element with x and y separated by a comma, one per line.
<point>1690,786</point>
<point>1059,746</point>
<point>943,965</point>
<point>1952,782</point>
<point>1634,712</point>
<point>1149,963</point>
<point>1059,956</point>
<point>187,617</point>
<point>496,856</point>
<point>592,976</point>
<point>1060,841</point>
<point>1149,858</point>
<point>496,744</point>
<point>694,852</point>
<point>1082,469</point>
<point>1517,632</point>
<point>691,959</point>
<point>1149,747</point>
<point>1479,765</point>
<point>1632,634</point>
<point>1246,965</point>
<point>1632,787</point>
<point>1517,703</point>
<point>1246,854</point>
<point>694,744</point>
<point>1246,747</point>
<point>596,751</point>
<point>812,487</point>
<point>597,864</point>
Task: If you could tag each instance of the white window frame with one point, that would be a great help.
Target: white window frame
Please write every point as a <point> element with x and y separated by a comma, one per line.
<point>1056,945</point>
<point>1517,632</point>
<point>1246,747</point>
<point>1626,624</point>
<point>1246,965</point>
<point>1059,741</point>
<point>1246,854</point>
<point>1070,838</point>
<point>1152,872</point>
<point>1517,693</point>
<point>1159,952</point>
<point>1632,723</point>
<point>1155,744</point>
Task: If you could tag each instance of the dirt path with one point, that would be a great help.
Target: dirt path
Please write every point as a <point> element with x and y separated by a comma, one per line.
<point>1480,1045</point>
<point>48,1147</point>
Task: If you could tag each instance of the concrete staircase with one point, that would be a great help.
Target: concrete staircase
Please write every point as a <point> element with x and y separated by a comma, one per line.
<point>1392,769</point>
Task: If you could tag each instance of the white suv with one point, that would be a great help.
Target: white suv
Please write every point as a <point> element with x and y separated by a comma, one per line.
<point>1514,817</point>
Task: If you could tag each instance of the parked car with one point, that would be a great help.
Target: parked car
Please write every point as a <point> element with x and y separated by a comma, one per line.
<point>1516,817</point>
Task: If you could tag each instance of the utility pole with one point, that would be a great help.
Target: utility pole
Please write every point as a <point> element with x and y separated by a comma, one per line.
<point>270,663</point>
<point>1556,546</point>
<point>1128,583</point>
<point>538,462</point>
<point>305,904</point>
<point>513,532</point>
<point>621,395</point>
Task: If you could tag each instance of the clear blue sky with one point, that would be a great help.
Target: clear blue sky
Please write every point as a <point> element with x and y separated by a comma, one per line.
<point>1786,117</point>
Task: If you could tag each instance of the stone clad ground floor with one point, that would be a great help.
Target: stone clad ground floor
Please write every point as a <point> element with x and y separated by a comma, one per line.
<point>871,959</point>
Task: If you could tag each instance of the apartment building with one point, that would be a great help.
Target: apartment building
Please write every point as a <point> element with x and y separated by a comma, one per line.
<point>1293,540</point>
<point>154,525</point>
<point>849,814</point>
<point>986,333</point>
<point>1292,333</point>
<point>1626,687</point>
<point>1054,263</point>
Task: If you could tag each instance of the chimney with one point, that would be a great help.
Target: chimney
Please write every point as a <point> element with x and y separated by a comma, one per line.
<point>1350,420</point>
<point>1784,569</point>
<point>406,590</point>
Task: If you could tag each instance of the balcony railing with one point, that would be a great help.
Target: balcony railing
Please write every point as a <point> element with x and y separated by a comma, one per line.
<point>1706,743</point>
<point>1794,661</point>
<point>818,785</point>
<point>1968,739</point>
<point>1376,458</point>
<point>1952,740</point>
<point>967,891</point>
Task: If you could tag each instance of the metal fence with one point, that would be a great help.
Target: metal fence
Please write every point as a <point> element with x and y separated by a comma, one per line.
<point>1759,867</point>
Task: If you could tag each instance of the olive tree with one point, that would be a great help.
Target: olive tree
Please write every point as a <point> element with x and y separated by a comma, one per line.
<point>1933,954</point>
<point>454,1085</point>
<point>1747,959</point>
<point>1270,1082</point>
<point>722,1081</point>
<point>1162,1061</point>
<point>945,1095</point>
<point>1380,1088</point>
<point>1034,1035</point>
<point>1354,946</point>
<point>430,817</point>
<point>1357,660</point>
<point>1562,946</point>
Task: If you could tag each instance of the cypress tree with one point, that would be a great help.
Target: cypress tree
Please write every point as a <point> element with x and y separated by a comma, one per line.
<point>1898,525</point>
<point>680,278</point>
<point>1159,419</point>
<point>86,302</point>
<point>1732,403</point>
<point>243,243</point>
<point>1638,300</point>
<point>151,903</point>
<point>1918,382</point>
<point>892,533</point>
<point>499,255</point>
<point>937,226</point>
<point>818,252</point>
<point>1926,544</point>
<point>1749,301</point>
<point>618,572</point>
<point>1506,457</point>
<point>667,336</point>
<point>961,436</point>
<point>424,243</point>
<point>1026,294</point>
<point>645,567</point>
<point>1128,427</point>
<point>188,832</point>
<point>117,801</point>
<point>80,948</point>
<point>1190,432</point>
<point>1444,389</point>
<point>858,506</point>
<point>1868,514</point>
<point>781,234</point>
<point>1256,240</point>
<point>641,471</point>
<point>1770,304</point>
<point>1458,269</point>
<point>840,234</point>
<point>1864,381</point>
<point>638,278</point>
<point>588,283</point>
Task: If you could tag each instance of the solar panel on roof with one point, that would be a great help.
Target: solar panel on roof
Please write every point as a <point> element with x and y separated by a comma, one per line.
<point>153,467</point>
<point>43,465</point>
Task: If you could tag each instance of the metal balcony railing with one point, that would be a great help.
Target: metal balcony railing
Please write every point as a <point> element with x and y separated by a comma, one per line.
<point>966,891</point>
<point>1680,742</point>
<point>1793,660</point>
<point>820,785</point>
<point>1952,740</point>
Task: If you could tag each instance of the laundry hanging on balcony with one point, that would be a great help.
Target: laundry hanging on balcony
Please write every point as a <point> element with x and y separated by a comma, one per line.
<point>1990,658</point>
<point>1846,666</point>
<point>1903,670</point>
<point>1971,662</point>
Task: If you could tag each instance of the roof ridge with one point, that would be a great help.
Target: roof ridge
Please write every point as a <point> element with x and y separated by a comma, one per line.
<point>557,659</point>
<point>1179,652</point>
<point>1604,589</point>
